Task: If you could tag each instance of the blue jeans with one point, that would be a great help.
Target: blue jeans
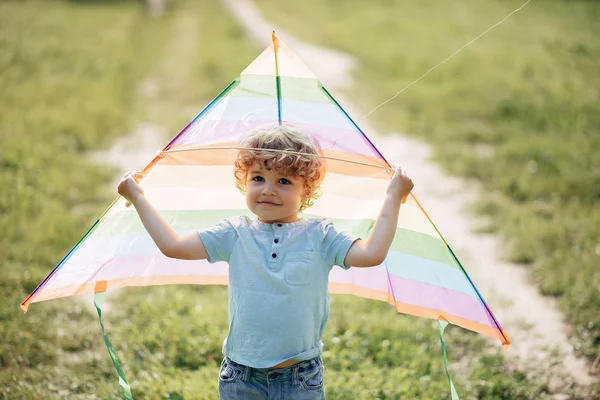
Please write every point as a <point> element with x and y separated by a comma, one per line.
<point>303,381</point>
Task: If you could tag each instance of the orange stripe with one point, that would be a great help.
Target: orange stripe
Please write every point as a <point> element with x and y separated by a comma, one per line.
<point>275,41</point>
<point>100,287</point>
<point>226,157</point>
<point>90,287</point>
<point>345,288</point>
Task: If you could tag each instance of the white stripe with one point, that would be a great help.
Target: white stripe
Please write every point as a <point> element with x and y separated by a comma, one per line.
<point>212,188</point>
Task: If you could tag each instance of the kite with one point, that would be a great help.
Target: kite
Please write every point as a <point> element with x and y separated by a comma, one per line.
<point>191,183</point>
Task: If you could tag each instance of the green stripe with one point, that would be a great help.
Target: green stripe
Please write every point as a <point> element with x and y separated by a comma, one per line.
<point>422,245</point>
<point>405,241</point>
<point>302,89</point>
<point>127,221</point>
<point>277,80</point>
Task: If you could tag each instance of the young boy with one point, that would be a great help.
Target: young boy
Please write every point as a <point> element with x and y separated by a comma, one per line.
<point>278,263</point>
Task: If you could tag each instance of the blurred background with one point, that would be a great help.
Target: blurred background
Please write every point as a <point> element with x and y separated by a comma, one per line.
<point>89,88</point>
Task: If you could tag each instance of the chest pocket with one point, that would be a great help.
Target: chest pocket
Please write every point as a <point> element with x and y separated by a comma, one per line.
<point>300,267</point>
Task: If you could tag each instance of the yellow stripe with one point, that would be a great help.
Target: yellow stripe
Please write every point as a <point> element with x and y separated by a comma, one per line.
<point>289,64</point>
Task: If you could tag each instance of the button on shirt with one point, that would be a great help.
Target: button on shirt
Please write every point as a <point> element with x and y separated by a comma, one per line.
<point>278,285</point>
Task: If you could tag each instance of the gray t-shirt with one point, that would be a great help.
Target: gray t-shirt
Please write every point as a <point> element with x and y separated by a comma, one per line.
<point>278,285</point>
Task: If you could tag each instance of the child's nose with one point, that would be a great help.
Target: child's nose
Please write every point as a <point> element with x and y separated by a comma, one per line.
<point>268,188</point>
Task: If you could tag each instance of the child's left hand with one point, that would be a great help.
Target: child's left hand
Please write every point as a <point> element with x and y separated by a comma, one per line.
<point>400,185</point>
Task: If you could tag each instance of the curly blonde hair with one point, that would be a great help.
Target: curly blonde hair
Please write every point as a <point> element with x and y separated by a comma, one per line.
<point>308,165</point>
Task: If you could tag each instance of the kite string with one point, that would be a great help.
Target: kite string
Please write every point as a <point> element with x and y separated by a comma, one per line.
<point>447,58</point>
<point>165,152</point>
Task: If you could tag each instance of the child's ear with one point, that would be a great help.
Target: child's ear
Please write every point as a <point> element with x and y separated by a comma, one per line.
<point>306,195</point>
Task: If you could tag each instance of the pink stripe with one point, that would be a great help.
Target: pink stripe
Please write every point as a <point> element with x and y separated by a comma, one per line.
<point>137,266</point>
<point>206,132</point>
<point>159,265</point>
<point>416,293</point>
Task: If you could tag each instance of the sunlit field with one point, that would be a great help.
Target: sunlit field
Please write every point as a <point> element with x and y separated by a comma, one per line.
<point>71,79</point>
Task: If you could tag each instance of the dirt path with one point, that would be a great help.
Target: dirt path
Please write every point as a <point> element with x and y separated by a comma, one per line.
<point>531,320</point>
<point>159,100</point>
<point>132,152</point>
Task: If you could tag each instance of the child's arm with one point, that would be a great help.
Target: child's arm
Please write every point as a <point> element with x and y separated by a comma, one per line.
<point>372,252</point>
<point>188,247</point>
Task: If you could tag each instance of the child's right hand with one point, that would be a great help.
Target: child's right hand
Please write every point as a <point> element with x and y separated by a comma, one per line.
<point>129,187</point>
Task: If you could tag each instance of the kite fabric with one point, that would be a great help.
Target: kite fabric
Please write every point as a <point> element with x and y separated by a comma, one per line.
<point>191,183</point>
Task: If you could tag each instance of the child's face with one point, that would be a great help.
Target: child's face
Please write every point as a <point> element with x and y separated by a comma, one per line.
<point>273,197</point>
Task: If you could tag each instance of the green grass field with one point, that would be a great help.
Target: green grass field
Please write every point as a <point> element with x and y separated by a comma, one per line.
<point>517,110</point>
<point>70,73</point>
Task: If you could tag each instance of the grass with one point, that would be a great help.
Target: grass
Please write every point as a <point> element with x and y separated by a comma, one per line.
<point>71,88</point>
<point>68,88</point>
<point>371,352</point>
<point>518,111</point>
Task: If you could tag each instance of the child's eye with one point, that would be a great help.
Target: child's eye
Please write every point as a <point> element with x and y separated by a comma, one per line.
<point>258,179</point>
<point>284,181</point>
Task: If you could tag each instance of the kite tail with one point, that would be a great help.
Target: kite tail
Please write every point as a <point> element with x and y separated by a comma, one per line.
<point>442,325</point>
<point>98,301</point>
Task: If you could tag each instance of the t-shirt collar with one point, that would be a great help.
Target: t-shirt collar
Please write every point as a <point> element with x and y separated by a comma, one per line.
<point>276,225</point>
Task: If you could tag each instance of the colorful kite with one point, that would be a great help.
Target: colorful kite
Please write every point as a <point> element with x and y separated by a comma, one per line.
<point>191,183</point>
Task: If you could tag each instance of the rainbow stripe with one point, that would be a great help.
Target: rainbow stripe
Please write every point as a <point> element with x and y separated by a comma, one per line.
<point>191,184</point>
